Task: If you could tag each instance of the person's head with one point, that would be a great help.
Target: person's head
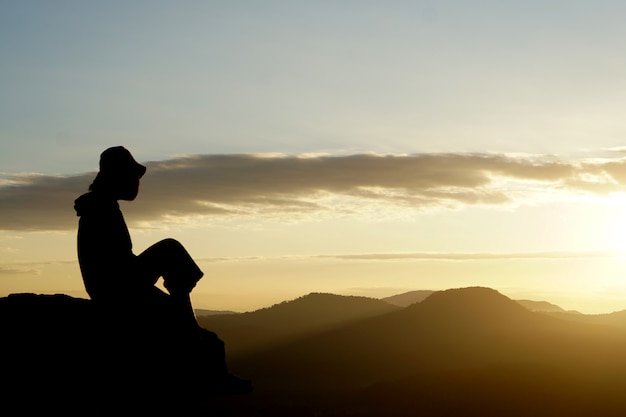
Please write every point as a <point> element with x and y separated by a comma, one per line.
<point>119,174</point>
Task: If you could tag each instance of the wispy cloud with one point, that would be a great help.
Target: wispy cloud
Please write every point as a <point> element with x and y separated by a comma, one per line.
<point>275,185</point>
<point>428,256</point>
<point>13,270</point>
<point>466,256</point>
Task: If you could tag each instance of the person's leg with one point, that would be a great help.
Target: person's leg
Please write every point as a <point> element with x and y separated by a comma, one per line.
<point>182,304</point>
<point>169,259</point>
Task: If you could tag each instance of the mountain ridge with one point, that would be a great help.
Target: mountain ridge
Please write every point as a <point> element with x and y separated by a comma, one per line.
<point>407,298</point>
<point>461,351</point>
<point>428,336</point>
<point>308,314</point>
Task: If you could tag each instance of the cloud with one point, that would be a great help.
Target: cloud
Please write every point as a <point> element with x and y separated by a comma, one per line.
<point>13,270</point>
<point>445,256</point>
<point>31,202</point>
<point>276,185</point>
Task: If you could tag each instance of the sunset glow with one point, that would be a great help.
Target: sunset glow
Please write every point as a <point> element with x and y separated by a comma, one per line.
<point>366,148</point>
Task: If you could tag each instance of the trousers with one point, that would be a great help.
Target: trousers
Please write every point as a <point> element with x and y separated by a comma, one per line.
<point>169,259</point>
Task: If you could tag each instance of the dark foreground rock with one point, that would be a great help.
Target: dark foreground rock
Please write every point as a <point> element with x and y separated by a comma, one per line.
<point>65,354</point>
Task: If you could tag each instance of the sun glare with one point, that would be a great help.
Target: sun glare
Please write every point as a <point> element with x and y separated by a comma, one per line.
<point>617,223</point>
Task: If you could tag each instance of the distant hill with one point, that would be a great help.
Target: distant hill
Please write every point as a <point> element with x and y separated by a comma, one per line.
<point>616,319</point>
<point>312,313</point>
<point>408,298</point>
<point>412,297</point>
<point>540,306</point>
<point>471,351</point>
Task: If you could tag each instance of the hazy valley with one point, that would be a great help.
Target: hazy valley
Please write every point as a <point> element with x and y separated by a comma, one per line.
<point>468,351</point>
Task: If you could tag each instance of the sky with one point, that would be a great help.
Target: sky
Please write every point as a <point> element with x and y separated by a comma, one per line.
<point>354,147</point>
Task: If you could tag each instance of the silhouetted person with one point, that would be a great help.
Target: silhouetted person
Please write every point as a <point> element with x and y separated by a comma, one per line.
<point>118,280</point>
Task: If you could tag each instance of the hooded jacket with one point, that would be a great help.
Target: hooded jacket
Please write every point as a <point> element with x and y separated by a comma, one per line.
<point>105,251</point>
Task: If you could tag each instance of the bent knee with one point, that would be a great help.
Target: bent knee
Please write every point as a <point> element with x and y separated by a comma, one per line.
<point>171,243</point>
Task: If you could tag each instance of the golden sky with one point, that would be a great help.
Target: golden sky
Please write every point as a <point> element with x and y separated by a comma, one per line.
<point>269,227</point>
<point>356,147</point>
